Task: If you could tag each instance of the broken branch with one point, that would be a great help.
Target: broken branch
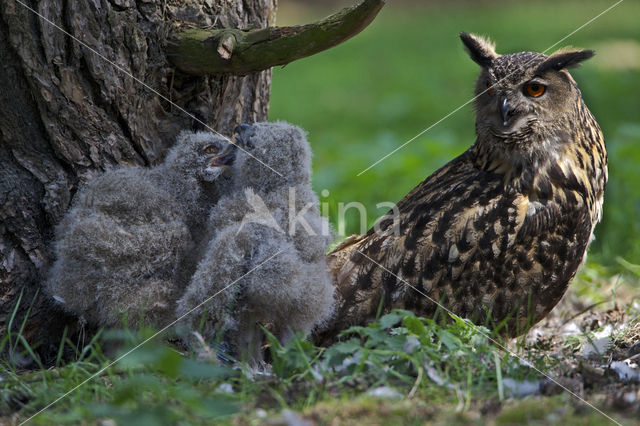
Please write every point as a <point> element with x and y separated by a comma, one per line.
<point>240,52</point>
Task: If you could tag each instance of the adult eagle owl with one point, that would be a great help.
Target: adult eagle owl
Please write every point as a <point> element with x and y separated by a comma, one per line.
<point>497,234</point>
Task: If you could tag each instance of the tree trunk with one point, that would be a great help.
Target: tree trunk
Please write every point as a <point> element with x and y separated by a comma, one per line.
<point>66,113</point>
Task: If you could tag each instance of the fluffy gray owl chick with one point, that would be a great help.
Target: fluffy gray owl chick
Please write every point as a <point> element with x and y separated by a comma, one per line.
<point>269,245</point>
<point>122,247</point>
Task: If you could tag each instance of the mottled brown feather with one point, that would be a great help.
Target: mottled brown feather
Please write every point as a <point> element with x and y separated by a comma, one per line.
<point>495,235</point>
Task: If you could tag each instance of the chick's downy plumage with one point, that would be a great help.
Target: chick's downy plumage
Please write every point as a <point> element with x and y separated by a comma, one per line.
<point>266,261</point>
<point>497,234</point>
<point>124,247</point>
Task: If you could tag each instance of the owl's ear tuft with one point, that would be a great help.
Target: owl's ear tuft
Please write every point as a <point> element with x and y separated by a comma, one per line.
<point>564,58</point>
<point>481,50</point>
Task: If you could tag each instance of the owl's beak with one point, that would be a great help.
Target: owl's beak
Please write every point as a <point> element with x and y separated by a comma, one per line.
<point>226,158</point>
<point>507,113</point>
<point>241,133</point>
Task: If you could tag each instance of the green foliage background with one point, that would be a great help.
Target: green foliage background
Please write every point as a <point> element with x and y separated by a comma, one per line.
<point>361,100</point>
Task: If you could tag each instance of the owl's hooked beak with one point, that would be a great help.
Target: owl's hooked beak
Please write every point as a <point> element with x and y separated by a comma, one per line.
<point>508,114</point>
<point>226,158</point>
<point>242,134</point>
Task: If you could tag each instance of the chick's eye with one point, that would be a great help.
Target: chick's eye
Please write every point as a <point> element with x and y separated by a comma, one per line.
<point>210,150</point>
<point>534,90</point>
<point>490,90</point>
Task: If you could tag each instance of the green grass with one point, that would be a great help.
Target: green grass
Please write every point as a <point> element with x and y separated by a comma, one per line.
<point>362,99</point>
<point>441,372</point>
<point>157,384</point>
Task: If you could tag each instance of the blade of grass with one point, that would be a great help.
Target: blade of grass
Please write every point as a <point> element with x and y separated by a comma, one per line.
<point>10,325</point>
<point>413,390</point>
<point>496,357</point>
<point>30,351</point>
<point>61,347</point>
<point>26,315</point>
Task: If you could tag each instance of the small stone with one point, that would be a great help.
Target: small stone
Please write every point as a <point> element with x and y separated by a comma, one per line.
<point>435,377</point>
<point>571,328</point>
<point>293,419</point>
<point>385,392</point>
<point>411,344</point>
<point>225,388</point>
<point>630,397</point>
<point>625,372</point>
<point>520,388</point>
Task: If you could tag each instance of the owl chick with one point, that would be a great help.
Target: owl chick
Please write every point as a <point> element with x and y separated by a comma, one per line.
<point>124,246</point>
<point>271,239</point>
<point>497,234</point>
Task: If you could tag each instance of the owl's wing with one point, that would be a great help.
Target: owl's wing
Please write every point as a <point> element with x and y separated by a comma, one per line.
<point>465,241</point>
<point>539,217</point>
<point>416,216</point>
<point>443,232</point>
<point>123,219</point>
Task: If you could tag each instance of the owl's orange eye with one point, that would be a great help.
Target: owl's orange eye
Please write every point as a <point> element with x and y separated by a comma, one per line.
<point>534,90</point>
<point>490,90</point>
<point>210,150</point>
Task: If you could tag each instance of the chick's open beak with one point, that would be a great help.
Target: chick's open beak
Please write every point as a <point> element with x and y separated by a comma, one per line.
<point>226,157</point>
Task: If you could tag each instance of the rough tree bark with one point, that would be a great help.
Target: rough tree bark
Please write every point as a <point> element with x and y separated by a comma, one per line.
<point>67,114</point>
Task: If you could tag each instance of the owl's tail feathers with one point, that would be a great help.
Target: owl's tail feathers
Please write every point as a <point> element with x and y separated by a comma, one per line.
<point>340,255</point>
<point>353,305</point>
